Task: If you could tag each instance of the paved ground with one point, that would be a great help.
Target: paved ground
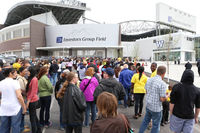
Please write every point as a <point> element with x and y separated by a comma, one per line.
<point>128,112</point>
<point>175,73</point>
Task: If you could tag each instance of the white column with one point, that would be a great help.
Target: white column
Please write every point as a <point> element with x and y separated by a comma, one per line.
<point>182,55</point>
<point>193,56</point>
<point>11,34</point>
<point>22,30</point>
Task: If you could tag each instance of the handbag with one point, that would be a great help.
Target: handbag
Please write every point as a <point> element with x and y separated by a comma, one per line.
<point>128,128</point>
<point>130,101</point>
<point>86,85</point>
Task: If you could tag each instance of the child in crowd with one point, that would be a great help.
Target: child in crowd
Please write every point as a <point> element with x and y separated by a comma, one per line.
<point>165,118</point>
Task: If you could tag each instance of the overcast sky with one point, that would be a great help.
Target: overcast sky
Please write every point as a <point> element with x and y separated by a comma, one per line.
<point>115,11</point>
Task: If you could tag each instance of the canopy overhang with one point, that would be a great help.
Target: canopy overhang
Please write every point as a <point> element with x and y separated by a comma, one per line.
<point>78,47</point>
<point>65,14</point>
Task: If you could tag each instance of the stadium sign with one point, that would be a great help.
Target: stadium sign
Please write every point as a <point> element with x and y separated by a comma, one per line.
<point>83,35</point>
<point>172,16</point>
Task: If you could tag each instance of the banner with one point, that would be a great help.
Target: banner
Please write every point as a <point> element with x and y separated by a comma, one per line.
<point>82,35</point>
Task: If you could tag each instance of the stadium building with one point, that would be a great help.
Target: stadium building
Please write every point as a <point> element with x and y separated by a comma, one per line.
<point>172,35</point>
<point>35,29</point>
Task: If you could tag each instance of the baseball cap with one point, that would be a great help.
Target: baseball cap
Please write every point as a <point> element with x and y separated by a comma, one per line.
<point>109,71</point>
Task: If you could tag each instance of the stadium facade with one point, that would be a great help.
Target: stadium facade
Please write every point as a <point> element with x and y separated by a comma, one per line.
<point>30,26</point>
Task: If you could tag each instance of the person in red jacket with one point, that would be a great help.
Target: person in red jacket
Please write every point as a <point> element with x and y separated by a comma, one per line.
<point>33,100</point>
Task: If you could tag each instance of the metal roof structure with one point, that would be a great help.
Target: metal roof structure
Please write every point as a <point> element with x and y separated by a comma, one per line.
<point>138,29</point>
<point>65,14</point>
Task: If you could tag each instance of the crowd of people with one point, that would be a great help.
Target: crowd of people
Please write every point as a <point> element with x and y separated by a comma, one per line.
<point>96,86</point>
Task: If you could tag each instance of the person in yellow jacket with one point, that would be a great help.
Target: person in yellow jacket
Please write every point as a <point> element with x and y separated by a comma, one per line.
<point>165,117</point>
<point>153,69</point>
<point>17,64</point>
<point>138,83</point>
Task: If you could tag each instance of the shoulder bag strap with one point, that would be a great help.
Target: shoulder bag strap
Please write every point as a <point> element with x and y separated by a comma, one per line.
<point>125,122</point>
<point>87,85</point>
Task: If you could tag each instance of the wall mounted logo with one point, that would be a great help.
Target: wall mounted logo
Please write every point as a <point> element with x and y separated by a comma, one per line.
<point>59,39</point>
<point>169,18</point>
<point>160,43</point>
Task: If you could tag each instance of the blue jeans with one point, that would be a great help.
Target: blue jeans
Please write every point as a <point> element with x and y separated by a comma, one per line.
<point>53,78</point>
<point>8,122</point>
<point>156,118</point>
<point>60,103</point>
<point>22,123</point>
<point>127,90</point>
<point>90,106</point>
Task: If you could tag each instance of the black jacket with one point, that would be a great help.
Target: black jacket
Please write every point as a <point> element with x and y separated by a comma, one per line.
<point>58,86</point>
<point>188,65</point>
<point>53,68</point>
<point>110,85</point>
<point>97,77</point>
<point>74,105</point>
<point>184,96</point>
<point>2,77</point>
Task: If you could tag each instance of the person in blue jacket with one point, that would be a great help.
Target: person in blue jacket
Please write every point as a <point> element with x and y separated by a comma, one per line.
<point>125,78</point>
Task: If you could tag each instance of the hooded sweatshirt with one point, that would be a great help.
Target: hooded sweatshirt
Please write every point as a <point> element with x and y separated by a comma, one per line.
<point>110,85</point>
<point>185,96</point>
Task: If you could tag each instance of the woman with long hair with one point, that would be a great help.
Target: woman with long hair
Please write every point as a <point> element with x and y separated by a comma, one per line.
<point>33,100</point>
<point>59,85</point>
<point>109,121</point>
<point>74,104</point>
<point>45,91</point>
<point>87,86</point>
<point>138,83</point>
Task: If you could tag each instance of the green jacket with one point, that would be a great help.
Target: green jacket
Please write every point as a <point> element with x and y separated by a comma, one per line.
<point>45,86</point>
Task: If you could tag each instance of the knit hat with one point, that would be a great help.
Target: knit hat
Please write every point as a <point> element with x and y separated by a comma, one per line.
<point>109,71</point>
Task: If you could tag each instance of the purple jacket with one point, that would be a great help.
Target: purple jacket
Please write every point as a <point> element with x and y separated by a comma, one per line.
<point>90,89</point>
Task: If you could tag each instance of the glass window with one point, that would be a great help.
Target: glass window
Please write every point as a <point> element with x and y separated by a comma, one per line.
<point>8,35</point>
<point>17,33</point>
<point>62,53</point>
<point>17,53</point>
<point>163,56</point>
<point>188,56</point>
<point>26,32</point>
<point>3,38</point>
<point>79,52</point>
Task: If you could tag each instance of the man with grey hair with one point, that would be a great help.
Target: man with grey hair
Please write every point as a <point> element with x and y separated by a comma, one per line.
<point>125,79</point>
<point>155,95</point>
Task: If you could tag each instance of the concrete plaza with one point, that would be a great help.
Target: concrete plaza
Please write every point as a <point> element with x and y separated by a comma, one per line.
<point>176,71</point>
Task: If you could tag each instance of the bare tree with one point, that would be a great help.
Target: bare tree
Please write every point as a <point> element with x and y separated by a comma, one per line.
<point>169,44</point>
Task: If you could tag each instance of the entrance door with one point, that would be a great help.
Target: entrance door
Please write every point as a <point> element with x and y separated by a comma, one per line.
<point>100,53</point>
